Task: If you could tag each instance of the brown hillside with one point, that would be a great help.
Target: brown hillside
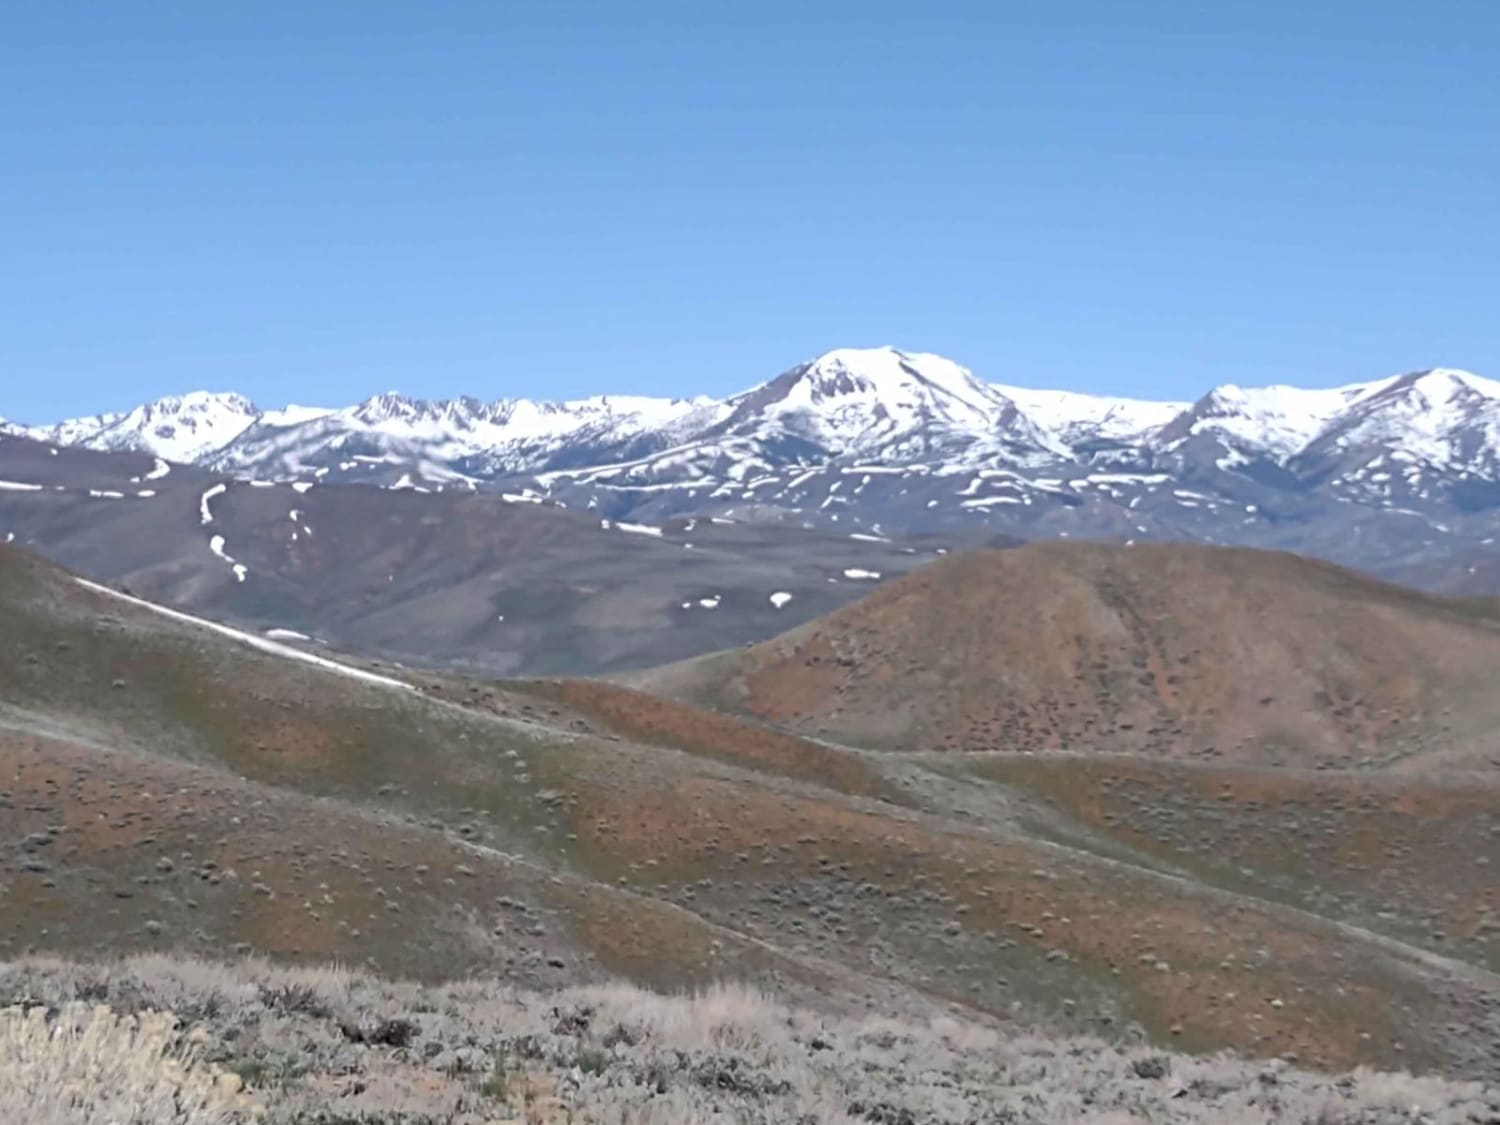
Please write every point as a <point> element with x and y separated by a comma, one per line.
<point>166,787</point>
<point>1171,650</point>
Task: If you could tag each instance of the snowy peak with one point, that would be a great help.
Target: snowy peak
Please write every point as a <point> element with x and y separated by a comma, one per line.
<point>388,407</point>
<point>882,401</point>
<point>178,428</point>
<point>884,382</point>
<point>523,417</point>
<point>1071,418</point>
<point>430,419</point>
<point>1282,422</point>
<point>1442,396</point>
<point>850,406</point>
<point>1444,417</point>
<point>1278,421</point>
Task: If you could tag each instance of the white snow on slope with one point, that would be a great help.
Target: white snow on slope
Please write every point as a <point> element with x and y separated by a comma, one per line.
<point>1442,417</point>
<point>216,545</point>
<point>883,403</point>
<point>848,410</point>
<point>780,598</point>
<point>250,639</point>
<point>205,513</point>
<point>292,415</point>
<point>897,380</point>
<point>1068,415</point>
<point>180,428</point>
<point>18,486</point>
<point>638,528</point>
<point>1279,419</point>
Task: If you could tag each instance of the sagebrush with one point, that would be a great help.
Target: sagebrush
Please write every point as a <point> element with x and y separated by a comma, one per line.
<point>343,1048</point>
<point>87,1065</point>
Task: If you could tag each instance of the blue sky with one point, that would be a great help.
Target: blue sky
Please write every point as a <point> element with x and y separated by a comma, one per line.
<point>315,202</point>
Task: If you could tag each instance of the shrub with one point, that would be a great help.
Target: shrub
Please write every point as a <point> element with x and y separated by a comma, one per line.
<point>613,1055</point>
<point>90,1066</point>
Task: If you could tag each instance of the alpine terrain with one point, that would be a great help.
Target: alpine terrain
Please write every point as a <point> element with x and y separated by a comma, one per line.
<point>1399,476</point>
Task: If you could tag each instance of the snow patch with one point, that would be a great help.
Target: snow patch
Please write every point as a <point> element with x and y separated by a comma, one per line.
<point>250,639</point>
<point>639,529</point>
<point>216,545</point>
<point>205,513</point>
<point>780,598</point>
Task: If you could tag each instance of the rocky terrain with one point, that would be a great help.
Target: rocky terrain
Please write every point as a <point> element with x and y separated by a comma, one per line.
<point>1398,476</point>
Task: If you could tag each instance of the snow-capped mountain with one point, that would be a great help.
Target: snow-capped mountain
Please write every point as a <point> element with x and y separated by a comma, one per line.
<point>884,402</point>
<point>881,440</point>
<point>1071,419</point>
<point>459,440</point>
<point>179,428</point>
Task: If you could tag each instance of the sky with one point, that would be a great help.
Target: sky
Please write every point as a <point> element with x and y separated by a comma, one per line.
<point>316,202</point>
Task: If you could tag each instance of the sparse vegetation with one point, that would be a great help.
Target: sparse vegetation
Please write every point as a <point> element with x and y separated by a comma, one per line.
<point>556,835</point>
<point>478,1052</point>
<point>82,1064</point>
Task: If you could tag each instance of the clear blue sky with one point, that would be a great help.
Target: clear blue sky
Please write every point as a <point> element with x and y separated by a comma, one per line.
<point>317,201</point>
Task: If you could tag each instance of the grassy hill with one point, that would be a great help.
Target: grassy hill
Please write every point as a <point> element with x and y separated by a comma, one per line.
<point>169,786</point>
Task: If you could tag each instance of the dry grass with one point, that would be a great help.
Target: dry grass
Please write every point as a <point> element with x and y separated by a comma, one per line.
<point>333,1046</point>
<point>87,1065</point>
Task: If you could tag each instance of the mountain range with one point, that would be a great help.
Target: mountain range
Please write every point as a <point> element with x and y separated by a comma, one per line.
<point>1400,476</point>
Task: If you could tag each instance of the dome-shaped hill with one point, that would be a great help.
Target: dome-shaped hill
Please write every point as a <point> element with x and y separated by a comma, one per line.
<point>1160,649</point>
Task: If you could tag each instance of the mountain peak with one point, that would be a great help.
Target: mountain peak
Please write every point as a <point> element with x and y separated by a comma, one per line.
<point>386,405</point>
<point>889,380</point>
<point>199,401</point>
<point>1439,384</point>
<point>889,371</point>
<point>1277,419</point>
<point>848,406</point>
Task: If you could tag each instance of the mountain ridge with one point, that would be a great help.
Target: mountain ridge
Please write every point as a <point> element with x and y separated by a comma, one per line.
<point>1399,474</point>
<point>842,372</point>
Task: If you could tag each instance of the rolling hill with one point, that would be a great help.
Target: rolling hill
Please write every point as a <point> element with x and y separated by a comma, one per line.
<point>171,785</point>
<point>1182,652</point>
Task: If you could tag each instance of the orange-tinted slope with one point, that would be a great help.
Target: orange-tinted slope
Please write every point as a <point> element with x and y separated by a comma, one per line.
<point>1164,649</point>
